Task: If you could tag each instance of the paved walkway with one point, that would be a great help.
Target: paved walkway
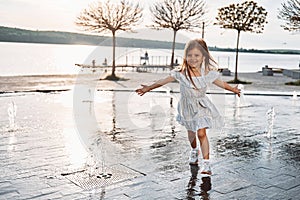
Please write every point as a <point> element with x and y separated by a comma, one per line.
<point>42,157</point>
<point>132,80</point>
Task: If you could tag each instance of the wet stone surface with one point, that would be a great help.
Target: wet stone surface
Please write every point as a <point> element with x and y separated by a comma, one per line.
<point>143,136</point>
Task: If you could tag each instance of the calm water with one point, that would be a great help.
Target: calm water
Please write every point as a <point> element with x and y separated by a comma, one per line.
<point>28,59</point>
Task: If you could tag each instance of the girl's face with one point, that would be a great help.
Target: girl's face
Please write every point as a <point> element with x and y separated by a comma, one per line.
<point>194,58</point>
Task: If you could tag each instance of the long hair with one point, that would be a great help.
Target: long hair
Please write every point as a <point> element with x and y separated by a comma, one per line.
<point>209,64</point>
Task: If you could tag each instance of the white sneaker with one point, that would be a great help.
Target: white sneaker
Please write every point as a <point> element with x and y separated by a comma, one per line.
<point>194,156</point>
<point>205,169</point>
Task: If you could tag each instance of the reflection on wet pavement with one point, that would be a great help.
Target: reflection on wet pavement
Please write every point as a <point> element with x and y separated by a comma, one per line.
<point>237,146</point>
<point>147,139</point>
<point>205,187</point>
<point>291,152</point>
<point>198,187</point>
<point>161,142</point>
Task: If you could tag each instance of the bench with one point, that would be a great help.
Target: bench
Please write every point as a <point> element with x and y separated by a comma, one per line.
<point>225,72</point>
<point>267,71</point>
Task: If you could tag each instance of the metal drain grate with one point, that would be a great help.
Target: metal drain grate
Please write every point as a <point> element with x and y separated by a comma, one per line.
<point>109,175</point>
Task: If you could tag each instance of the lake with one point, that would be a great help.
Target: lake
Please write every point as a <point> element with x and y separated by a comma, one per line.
<point>32,59</point>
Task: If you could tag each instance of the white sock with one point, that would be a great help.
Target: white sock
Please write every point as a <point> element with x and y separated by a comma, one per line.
<point>205,160</point>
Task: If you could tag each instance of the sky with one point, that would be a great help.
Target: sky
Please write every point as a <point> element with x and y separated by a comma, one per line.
<point>60,15</point>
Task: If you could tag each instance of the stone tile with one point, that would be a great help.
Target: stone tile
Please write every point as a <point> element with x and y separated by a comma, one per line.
<point>231,185</point>
<point>288,183</point>
<point>294,193</point>
<point>263,173</point>
<point>29,170</point>
<point>262,183</point>
<point>8,191</point>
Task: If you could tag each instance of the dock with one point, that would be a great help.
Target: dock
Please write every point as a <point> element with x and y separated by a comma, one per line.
<point>137,68</point>
<point>294,74</point>
<point>269,71</point>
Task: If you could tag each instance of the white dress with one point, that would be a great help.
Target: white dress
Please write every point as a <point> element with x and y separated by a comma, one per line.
<point>195,109</point>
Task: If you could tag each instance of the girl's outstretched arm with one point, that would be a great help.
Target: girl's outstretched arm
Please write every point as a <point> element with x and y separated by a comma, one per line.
<point>146,88</point>
<point>226,86</point>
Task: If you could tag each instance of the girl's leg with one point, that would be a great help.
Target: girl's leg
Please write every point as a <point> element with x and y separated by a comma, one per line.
<point>204,144</point>
<point>192,138</point>
<point>195,151</point>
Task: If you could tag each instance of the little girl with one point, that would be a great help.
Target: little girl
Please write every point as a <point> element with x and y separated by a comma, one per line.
<point>195,110</point>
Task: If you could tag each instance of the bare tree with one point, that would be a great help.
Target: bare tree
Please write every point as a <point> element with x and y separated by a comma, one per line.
<point>178,15</point>
<point>290,13</point>
<point>110,17</point>
<point>247,16</point>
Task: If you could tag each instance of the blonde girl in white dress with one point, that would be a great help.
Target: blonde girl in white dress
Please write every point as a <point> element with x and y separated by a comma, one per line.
<point>195,110</point>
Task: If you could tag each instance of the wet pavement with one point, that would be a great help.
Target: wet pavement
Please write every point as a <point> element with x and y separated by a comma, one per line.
<point>121,146</point>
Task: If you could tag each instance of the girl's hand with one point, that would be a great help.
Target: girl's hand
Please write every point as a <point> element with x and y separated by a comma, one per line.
<point>143,90</point>
<point>236,90</point>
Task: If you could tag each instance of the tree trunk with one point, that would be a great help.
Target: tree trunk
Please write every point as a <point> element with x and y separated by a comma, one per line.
<point>237,57</point>
<point>114,55</point>
<point>173,49</point>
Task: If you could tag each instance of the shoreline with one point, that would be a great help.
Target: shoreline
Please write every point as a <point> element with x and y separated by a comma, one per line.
<point>61,38</point>
<point>61,82</point>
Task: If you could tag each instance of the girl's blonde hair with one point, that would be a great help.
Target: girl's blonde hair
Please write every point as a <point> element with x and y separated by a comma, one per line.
<point>210,63</point>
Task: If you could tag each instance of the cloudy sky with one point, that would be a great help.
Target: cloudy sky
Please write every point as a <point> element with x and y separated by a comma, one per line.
<point>60,15</point>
